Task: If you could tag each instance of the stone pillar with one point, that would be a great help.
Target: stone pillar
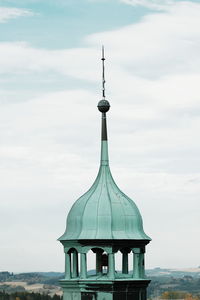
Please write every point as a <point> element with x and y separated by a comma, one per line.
<point>136,263</point>
<point>99,262</point>
<point>111,266</point>
<point>141,265</point>
<point>68,273</point>
<point>75,264</point>
<point>83,265</point>
<point>125,262</point>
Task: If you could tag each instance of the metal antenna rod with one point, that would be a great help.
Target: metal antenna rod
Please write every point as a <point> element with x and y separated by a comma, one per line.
<point>103,73</point>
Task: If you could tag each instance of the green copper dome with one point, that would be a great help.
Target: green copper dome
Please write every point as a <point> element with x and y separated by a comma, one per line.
<point>104,211</point>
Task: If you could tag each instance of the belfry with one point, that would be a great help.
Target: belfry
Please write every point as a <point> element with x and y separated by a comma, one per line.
<point>105,221</point>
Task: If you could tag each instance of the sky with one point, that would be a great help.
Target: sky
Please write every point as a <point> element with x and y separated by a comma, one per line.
<point>50,84</point>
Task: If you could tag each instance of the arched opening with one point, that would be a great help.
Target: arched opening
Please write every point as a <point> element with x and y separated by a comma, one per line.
<point>104,263</point>
<point>118,262</point>
<point>74,262</point>
<point>79,266</point>
<point>91,263</point>
<point>131,262</point>
<point>97,262</point>
<point>125,260</point>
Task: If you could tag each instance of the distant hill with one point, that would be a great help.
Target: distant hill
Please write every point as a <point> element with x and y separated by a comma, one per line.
<point>33,277</point>
<point>162,280</point>
<point>177,273</point>
<point>54,277</point>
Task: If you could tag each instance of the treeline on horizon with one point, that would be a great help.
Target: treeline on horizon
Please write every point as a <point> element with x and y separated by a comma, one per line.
<point>33,277</point>
<point>177,295</point>
<point>27,296</point>
<point>187,284</point>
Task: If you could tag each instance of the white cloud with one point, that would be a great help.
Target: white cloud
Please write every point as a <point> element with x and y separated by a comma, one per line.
<point>20,58</point>
<point>7,13</point>
<point>151,4</point>
<point>50,149</point>
<point>159,45</point>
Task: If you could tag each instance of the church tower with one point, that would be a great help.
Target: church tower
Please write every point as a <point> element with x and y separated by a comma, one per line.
<point>105,221</point>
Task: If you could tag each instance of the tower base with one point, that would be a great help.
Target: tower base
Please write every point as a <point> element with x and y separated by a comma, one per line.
<point>104,290</point>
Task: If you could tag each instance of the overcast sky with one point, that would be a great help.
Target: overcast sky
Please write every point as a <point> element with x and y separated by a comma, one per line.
<point>50,78</point>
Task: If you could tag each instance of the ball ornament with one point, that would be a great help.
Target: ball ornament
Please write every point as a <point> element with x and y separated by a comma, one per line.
<point>103,106</point>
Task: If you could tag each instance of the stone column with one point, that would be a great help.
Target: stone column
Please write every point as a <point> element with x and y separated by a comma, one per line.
<point>75,264</point>
<point>125,262</point>
<point>111,266</point>
<point>136,263</point>
<point>99,262</point>
<point>141,264</point>
<point>83,265</point>
<point>68,273</point>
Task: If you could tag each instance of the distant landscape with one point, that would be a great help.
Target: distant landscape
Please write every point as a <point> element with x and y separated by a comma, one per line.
<point>165,284</point>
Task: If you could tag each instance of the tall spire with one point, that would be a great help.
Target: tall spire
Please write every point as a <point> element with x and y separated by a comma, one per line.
<point>104,107</point>
<point>103,74</point>
<point>103,213</point>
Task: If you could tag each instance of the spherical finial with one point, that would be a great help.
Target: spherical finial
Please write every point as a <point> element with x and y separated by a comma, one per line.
<point>103,106</point>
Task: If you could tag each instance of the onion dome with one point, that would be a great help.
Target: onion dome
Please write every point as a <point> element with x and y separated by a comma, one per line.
<point>104,211</point>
